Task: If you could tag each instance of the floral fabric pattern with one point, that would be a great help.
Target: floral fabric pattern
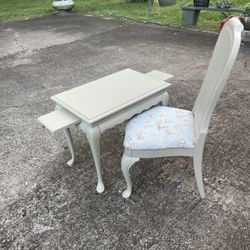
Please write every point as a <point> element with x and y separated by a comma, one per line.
<point>160,128</point>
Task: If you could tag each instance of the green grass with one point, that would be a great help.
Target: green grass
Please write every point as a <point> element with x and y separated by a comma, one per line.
<point>16,9</point>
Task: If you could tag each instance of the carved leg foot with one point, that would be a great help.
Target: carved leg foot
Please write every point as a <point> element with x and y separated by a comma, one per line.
<point>71,148</point>
<point>126,163</point>
<point>100,187</point>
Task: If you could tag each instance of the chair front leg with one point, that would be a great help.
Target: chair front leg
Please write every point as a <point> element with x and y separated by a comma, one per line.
<point>126,163</point>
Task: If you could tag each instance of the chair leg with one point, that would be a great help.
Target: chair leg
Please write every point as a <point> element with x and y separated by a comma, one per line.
<point>126,163</point>
<point>197,161</point>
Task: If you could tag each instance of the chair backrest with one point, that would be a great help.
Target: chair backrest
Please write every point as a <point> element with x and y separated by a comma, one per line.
<point>223,58</point>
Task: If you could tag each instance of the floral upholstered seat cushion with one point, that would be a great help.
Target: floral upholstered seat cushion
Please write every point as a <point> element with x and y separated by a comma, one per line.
<point>160,128</point>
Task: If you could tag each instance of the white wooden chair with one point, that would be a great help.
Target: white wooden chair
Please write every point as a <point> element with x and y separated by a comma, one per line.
<point>164,131</point>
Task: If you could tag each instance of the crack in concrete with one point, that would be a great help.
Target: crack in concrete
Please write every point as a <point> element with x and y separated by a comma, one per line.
<point>18,43</point>
<point>23,49</point>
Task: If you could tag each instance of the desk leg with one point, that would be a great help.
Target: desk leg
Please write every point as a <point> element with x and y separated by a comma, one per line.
<point>71,148</point>
<point>165,99</point>
<point>68,136</point>
<point>93,134</point>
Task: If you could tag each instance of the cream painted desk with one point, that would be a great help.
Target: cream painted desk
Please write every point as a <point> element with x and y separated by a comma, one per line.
<point>109,101</point>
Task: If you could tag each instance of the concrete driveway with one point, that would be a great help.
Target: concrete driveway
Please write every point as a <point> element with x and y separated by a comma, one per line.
<point>44,204</point>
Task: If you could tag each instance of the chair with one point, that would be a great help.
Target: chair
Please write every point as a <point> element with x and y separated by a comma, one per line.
<point>165,131</point>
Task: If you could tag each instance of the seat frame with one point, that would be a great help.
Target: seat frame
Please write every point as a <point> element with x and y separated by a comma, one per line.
<point>220,66</point>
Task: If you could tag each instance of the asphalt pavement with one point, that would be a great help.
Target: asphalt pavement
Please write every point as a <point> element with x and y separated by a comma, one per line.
<point>44,204</point>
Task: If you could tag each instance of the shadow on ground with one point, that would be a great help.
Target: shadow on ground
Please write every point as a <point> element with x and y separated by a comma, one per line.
<point>47,205</point>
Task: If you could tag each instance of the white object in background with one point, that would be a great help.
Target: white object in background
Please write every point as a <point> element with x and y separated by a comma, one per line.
<point>63,4</point>
<point>220,66</point>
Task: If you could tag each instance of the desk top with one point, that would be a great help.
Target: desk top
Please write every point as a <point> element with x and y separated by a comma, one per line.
<point>101,98</point>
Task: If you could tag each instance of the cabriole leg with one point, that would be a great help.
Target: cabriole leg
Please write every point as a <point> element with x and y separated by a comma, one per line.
<point>93,134</point>
<point>71,148</point>
<point>126,163</point>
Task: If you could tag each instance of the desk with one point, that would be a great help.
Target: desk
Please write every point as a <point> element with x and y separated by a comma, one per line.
<point>109,101</point>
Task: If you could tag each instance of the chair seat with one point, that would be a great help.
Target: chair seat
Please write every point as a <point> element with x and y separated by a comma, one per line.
<point>160,128</point>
